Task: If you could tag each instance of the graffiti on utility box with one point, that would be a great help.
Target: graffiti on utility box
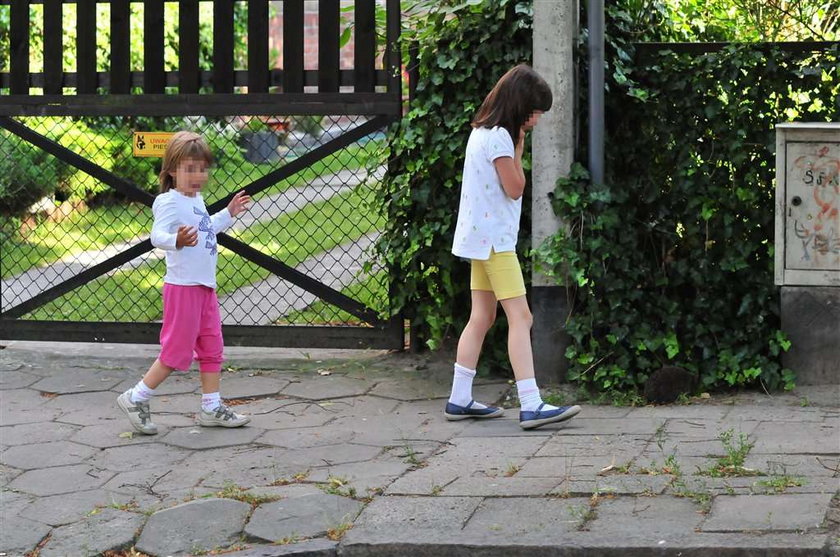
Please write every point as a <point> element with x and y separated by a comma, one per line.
<point>813,205</point>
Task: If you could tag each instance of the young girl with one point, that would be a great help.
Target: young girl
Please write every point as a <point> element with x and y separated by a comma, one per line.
<point>488,225</point>
<point>191,322</point>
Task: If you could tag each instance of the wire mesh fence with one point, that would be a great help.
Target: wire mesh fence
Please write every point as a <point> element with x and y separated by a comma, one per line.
<point>58,222</point>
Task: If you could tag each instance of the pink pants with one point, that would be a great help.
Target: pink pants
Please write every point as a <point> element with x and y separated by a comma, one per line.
<point>192,328</point>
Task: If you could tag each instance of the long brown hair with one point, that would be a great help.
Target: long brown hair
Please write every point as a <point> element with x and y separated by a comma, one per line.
<point>513,100</point>
<point>182,145</point>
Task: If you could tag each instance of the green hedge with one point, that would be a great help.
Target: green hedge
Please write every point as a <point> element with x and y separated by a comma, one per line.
<point>465,48</point>
<point>672,259</point>
<point>27,174</point>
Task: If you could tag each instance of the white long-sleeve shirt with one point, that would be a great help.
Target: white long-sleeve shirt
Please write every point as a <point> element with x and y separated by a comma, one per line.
<point>189,265</point>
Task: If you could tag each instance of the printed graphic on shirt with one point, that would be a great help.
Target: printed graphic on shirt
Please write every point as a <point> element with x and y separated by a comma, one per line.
<point>205,226</point>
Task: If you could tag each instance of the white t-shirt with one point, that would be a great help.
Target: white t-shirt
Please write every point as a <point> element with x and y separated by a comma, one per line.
<point>487,217</point>
<point>189,265</point>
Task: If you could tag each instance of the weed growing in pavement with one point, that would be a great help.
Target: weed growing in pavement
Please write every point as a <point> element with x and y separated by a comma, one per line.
<point>336,485</point>
<point>410,456</point>
<point>335,534</point>
<point>779,484</point>
<point>130,552</point>
<point>296,478</point>
<point>131,506</point>
<point>702,497</point>
<point>585,514</point>
<point>732,464</point>
<point>512,469</point>
<point>671,465</point>
<point>232,491</point>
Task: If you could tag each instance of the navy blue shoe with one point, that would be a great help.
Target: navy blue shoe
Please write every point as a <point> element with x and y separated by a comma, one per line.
<point>531,420</point>
<point>454,412</point>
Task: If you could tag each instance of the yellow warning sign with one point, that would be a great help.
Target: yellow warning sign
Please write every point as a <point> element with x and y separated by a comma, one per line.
<point>151,144</point>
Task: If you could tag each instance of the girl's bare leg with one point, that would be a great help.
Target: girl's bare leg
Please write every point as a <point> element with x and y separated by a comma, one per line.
<point>156,374</point>
<point>482,316</point>
<point>519,337</point>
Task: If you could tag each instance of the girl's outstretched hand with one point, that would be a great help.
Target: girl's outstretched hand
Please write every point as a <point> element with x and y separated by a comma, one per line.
<point>239,203</point>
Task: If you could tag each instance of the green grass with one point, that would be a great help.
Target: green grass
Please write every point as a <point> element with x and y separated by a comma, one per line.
<point>82,230</point>
<point>134,295</point>
<point>98,227</point>
<point>235,173</point>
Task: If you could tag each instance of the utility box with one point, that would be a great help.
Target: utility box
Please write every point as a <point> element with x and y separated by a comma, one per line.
<point>807,250</point>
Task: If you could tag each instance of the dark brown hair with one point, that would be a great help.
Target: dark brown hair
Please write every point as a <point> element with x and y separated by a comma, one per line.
<point>513,100</point>
<point>182,145</point>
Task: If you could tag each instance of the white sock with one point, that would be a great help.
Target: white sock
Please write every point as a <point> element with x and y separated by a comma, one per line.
<point>141,392</point>
<point>462,387</point>
<point>529,396</point>
<point>210,401</point>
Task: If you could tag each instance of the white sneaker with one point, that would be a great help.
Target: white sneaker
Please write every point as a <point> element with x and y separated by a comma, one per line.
<point>222,416</point>
<point>138,414</point>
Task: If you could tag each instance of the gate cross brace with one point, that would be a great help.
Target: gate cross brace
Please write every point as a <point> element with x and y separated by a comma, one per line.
<point>134,193</point>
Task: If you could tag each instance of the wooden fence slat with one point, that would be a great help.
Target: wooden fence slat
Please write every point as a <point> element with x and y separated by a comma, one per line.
<point>86,82</point>
<point>53,62</point>
<point>258,46</point>
<point>393,57</point>
<point>223,46</point>
<point>365,45</point>
<point>329,19</point>
<point>154,80</point>
<point>188,74</point>
<point>120,47</point>
<point>293,46</point>
<point>19,48</point>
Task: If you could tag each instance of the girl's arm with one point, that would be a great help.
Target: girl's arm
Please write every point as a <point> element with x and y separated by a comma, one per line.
<point>222,220</point>
<point>166,219</point>
<point>510,171</point>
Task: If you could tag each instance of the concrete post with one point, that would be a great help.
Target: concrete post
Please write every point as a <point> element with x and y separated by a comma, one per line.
<point>555,26</point>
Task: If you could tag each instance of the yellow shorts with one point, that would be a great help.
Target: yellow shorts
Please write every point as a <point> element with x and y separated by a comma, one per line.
<point>501,274</point>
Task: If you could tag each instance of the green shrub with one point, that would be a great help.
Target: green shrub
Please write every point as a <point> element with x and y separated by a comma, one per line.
<point>27,174</point>
<point>671,260</point>
<point>464,49</point>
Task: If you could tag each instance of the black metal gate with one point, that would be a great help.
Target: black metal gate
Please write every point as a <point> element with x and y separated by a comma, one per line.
<point>298,270</point>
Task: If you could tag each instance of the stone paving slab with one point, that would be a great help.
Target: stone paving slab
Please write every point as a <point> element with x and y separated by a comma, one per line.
<point>16,380</point>
<point>24,406</point>
<point>792,512</point>
<point>20,535</point>
<point>370,439</point>
<point>67,508</point>
<point>197,437</point>
<point>308,516</point>
<point>38,432</point>
<point>78,381</point>
<point>645,518</point>
<point>308,548</point>
<point>194,527</point>
<point>796,465</point>
<point>802,438</point>
<point>41,455</point>
<point>63,479</point>
<point>95,534</point>
<point>594,445</point>
<point>613,485</point>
